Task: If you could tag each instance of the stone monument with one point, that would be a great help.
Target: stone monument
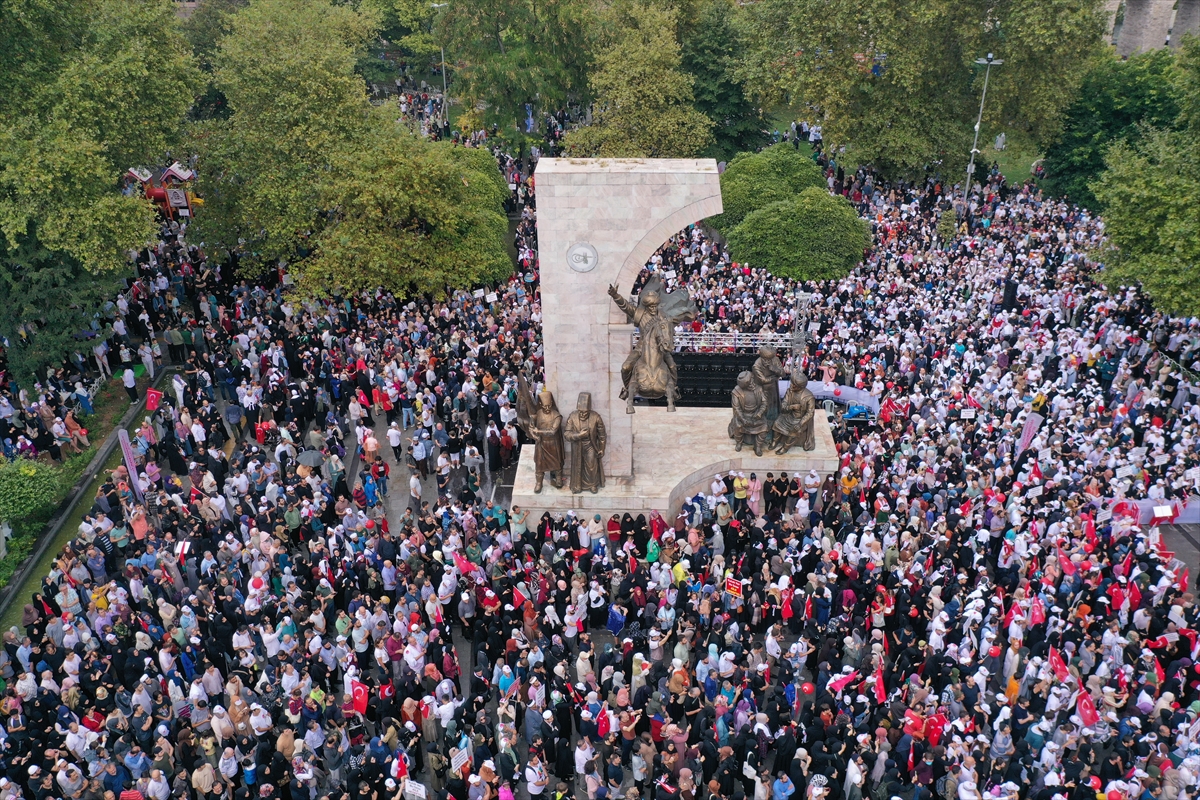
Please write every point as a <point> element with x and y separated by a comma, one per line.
<point>599,221</point>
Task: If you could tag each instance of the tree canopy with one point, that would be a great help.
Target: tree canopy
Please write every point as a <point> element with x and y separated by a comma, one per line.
<point>643,97</point>
<point>753,180</point>
<point>306,170</point>
<point>812,236</point>
<point>1150,196</point>
<point>510,54</point>
<point>1116,100</point>
<point>91,89</point>
<point>896,82</point>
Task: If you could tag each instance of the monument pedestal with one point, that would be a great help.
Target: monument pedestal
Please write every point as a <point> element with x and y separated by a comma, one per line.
<point>675,455</point>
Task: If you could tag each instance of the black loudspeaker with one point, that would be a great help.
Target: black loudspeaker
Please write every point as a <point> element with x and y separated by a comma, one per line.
<point>1010,295</point>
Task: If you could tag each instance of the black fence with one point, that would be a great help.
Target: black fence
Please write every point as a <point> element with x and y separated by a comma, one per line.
<point>706,380</point>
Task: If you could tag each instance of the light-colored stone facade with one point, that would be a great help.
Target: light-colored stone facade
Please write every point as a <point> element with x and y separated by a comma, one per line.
<point>625,209</point>
<point>599,221</point>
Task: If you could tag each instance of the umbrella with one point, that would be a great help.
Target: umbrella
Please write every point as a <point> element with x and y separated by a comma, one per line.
<point>311,458</point>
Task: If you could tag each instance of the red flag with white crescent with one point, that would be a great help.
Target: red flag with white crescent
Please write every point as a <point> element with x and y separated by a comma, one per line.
<point>1087,710</point>
<point>1058,665</point>
<point>880,690</point>
<point>1037,612</point>
<point>361,695</point>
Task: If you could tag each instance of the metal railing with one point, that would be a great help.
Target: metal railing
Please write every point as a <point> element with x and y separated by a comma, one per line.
<point>719,342</point>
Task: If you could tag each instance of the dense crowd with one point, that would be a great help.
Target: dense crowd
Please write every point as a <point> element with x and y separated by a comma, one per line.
<point>969,608</point>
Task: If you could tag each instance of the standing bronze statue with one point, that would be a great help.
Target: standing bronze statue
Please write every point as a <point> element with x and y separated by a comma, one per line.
<point>546,430</point>
<point>749,414</point>
<point>650,370</point>
<point>767,371</point>
<point>794,426</point>
<point>585,431</point>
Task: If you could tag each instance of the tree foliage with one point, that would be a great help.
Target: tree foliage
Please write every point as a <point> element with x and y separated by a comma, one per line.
<point>306,170</point>
<point>643,97</point>
<point>711,51</point>
<point>287,69</point>
<point>896,82</point>
<point>1116,100</point>
<point>49,300</point>
<point>91,89</point>
<point>753,180</point>
<point>409,216</point>
<point>511,53</point>
<point>1150,196</point>
<point>813,236</point>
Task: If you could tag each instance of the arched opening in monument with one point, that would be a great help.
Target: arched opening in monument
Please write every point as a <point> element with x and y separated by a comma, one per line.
<point>737,312</point>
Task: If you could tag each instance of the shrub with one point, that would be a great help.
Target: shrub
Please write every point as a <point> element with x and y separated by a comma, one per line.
<point>754,180</point>
<point>813,236</point>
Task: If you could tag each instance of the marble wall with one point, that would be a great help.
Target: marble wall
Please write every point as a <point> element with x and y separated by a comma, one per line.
<point>624,209</point>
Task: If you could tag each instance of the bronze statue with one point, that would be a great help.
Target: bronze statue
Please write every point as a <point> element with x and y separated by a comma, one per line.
<point>585,431</point>
<point>749,414</point>
<point>650,370</point>
<point>546,430</point>
<point>794,426</point>
<point>767,370</point>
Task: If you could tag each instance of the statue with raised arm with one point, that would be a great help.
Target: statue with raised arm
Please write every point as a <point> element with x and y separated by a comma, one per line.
<point>797,410</point>
<point>585,431</point>
<point>546,430</point>
<point>650,370</point>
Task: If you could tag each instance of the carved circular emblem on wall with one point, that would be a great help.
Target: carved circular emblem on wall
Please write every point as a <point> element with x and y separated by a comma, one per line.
<point>582,257</point>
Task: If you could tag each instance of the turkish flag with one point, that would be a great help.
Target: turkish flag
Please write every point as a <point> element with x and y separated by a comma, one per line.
<point>361,695</point>
<point>837,684</point>
<point>519,599</point>
<point>1182,583</point>
<point>1087,710</point>
<point>1068,567</point>
<point>387,690</point>
<point>880,690</point>
<point>464,566</point>
<point>1058,665</point>
<point>153,398</point>
<point>1037,612</point>
<point>1158,671</point>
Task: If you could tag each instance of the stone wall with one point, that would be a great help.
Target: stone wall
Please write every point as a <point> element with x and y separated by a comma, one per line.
<point>620,211</point>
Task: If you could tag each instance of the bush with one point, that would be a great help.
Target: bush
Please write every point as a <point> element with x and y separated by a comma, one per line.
<point>29,492</point>
<point>814,236</point>
<point>754,180</point>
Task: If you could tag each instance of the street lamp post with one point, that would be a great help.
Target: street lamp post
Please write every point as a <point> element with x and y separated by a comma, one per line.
<point>988,62</point>
<point>445,94</point>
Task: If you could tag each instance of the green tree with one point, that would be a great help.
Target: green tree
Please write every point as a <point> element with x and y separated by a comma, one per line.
<point>1116,100</point>
<point>753,180</point>
<point>511,53</point>
<point>813,236</point>
<point>896,82</point>
<point>1149,193</point>
<point>409,216</point>
<point>306,170</point>
<point>287,69</point>
<point>49,300</point>
<point>91,89</point>
<point>643,97</point>
<point>711,51</point>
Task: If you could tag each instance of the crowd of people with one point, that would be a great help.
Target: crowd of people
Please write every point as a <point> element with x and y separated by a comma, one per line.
<point>969,608</point>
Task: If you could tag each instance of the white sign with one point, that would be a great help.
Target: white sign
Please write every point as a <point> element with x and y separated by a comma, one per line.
<point>1161,459</point>
<point>814,327</point>
<point>460,759</point>
<point>512,187</point>
<point>1045,455</point>
<point>479,293</point>
<point>690,260</point>
<point>491,297</point>
<point>669,274</point>
<point>1035,491</point>
<point>1137,454</point>
<point>1126,471</point>
<point>1192,474</point>
<point>968,413</point>
<point>1104,516</point>
<point>414,790</point>
<point>1163,512</point>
